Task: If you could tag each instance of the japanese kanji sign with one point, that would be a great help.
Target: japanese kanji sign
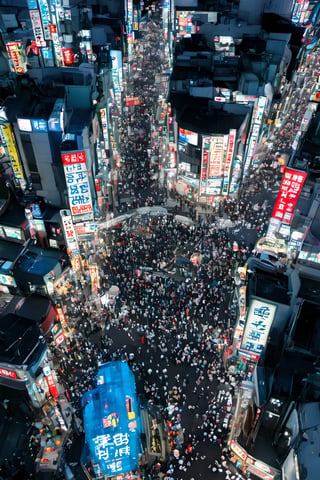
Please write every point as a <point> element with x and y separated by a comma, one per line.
<point>112,448</point>
<point>69,231</point>
<point>77,180</point>
<point>288,195</point>
<point>258,323</point>
<point>211,177</point>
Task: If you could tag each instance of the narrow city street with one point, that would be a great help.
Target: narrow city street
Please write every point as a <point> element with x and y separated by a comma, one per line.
<point>172,327</point>
<point>160,240</point>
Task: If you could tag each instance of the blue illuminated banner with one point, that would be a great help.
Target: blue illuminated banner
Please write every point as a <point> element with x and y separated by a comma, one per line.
<point>112,421</point>
<point>32,4</point>
<point>39,125</point>
<point>46,53</point>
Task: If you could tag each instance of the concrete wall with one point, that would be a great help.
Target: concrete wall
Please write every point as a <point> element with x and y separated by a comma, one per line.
<point>251,11</point>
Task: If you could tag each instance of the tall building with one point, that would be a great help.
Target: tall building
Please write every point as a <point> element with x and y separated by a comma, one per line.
<point>225,56</point>
<point>276,336</point>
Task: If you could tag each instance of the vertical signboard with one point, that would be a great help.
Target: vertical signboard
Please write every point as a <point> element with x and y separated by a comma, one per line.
<point>69,231</point>
<point>52,386</point>
<point>228,161</point>
<point>290,189</point>
<point>215,164</point>
<point>46,18</point>
<point>130,33</point>
<point>116,56</point>
<point>56,46</point>
<point>204,165</point>
<point>213,152</point>
<point>37,28</point>
<point>254,132</point>
<point>77,184</point>
<point>104,123</point>
<point>9,142</point>
<point>94,275</point>
<point>258,323</point>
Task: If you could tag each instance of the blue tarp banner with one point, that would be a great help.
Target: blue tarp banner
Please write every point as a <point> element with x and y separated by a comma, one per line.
<point>112,422</point>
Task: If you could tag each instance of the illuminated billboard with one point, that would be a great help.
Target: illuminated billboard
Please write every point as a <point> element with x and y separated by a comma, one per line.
<point>112,422</point>
<point>258,323</point>
<point>7,280</point>
<point>184,23</point>
<point>16,57</point>
<point>133,101</point>
<point>39,125</point>
<point>77,181</point>
<point>188,136</point>
<point>8,373</point>
<point>290,189</point>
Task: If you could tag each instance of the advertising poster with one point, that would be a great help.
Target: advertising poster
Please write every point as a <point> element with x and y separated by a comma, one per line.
<point>104,123</point>
<point>37,28</point>
<point>56,46</point>
<point>68,56</point>
<point>216,157</point>
<point>213,153</point>
<point>290,189</point>
<point>184,23</point>
<point>7,280</point>
<point>77,181</point>
<point>16,57</point>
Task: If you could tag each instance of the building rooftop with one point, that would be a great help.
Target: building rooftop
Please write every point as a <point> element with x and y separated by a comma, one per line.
<point>14,436</point>
<point>18,338</point>
<point>270,286</point>
<point>306,336</point>
<point>28,103</point>
<point>216,121</point>
<point>308,449</point>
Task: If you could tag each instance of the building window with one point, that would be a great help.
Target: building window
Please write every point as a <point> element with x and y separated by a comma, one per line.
<point>29,153</point>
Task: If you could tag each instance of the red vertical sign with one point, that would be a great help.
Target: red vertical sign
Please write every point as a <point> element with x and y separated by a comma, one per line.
<point>290,189</point>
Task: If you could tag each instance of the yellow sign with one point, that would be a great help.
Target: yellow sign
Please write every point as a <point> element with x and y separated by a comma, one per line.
<point>13,154</point>
<point>95,280</point>
<point>76,262</point>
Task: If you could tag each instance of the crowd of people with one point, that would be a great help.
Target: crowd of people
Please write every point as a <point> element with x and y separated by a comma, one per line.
<point>171,328</point>
<point>170,325</point>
